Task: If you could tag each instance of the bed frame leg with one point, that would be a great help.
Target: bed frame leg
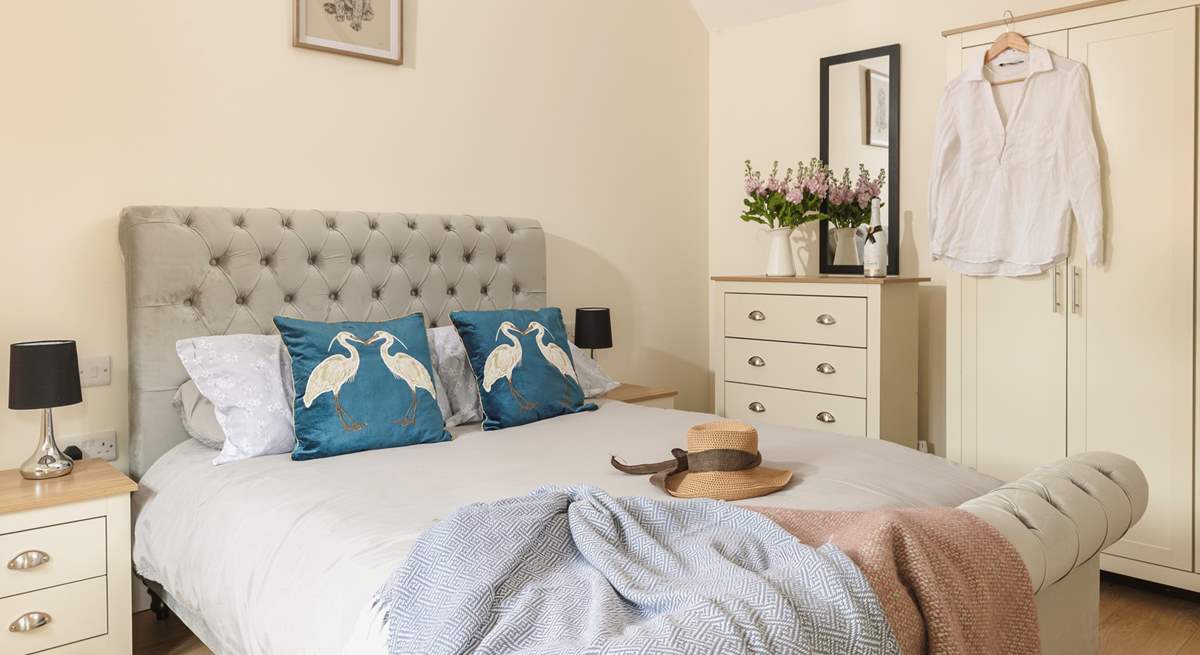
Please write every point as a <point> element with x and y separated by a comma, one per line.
<point>160,609</point>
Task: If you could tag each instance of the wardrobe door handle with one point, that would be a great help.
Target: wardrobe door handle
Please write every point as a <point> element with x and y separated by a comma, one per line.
<point>826,417</point>
<point>756,316</point>
<point>29,559</point>
<point>756,407</point>
<point>756,361</point>
<point>826,319</point>
<point>1055,276</point>
<point>1076,303</point>
<point>29,621</point>
<point>826,368</point>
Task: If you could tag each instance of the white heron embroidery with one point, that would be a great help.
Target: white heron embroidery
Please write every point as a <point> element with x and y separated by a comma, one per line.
<point>501,362</point>
<point>330,375</point>
<point>404,367</point>
<point>556,356</point>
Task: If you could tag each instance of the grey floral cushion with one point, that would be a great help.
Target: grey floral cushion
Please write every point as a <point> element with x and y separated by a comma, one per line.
<point>592,378</point>
<point>453,369</point>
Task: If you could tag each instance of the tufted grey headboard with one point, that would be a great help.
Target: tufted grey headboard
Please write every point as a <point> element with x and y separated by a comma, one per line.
<point>195,271</point>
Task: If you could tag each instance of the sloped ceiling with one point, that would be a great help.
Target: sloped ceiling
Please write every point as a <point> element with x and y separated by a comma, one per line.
<point>723,14</point>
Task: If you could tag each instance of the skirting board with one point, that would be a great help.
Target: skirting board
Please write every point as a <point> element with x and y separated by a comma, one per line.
<point>1151,572</point>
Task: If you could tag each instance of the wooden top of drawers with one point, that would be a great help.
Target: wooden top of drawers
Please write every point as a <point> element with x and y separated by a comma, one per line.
<point>91,478</point>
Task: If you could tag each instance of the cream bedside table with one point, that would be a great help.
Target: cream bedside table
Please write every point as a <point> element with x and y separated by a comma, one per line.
<point>639,395</point>
<point>65,586</point>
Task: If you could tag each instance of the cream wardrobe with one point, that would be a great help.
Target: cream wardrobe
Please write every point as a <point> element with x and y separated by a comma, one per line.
<point>1100,358</point>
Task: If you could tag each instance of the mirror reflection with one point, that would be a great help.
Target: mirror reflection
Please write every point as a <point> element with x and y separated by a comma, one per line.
<point>858,111</point>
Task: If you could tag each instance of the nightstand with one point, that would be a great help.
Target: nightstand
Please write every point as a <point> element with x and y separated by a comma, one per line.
<point>65,586</point>
<point>639,395</point>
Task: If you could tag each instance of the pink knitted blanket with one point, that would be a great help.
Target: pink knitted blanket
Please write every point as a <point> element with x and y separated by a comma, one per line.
<point>948,581</point>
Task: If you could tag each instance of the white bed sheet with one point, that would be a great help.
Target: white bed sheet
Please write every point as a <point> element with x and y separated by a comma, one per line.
<point>285,557</point>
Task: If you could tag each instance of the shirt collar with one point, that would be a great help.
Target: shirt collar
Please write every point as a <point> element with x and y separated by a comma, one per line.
<point>1039,62</point>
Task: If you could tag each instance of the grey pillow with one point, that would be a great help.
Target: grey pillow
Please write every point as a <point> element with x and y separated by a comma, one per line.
<point>198,415</point>
<point>457,382</point>
<point>592,378</point>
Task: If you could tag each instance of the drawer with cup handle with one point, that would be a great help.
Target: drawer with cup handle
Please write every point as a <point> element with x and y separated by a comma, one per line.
<point>832,320</point>
<point>807,367</point>
<point>53,555</point>
<point>44,619</point>
<point>798,409</point>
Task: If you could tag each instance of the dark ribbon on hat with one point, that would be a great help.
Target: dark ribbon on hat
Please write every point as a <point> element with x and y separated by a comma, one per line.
<point>719,459</point>
<point>871,232</point>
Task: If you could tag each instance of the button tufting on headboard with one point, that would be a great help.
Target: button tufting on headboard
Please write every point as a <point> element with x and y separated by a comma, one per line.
<point>212,270</point>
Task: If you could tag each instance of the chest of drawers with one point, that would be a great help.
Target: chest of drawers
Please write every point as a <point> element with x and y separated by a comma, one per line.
<point>836,354</point>
<point>65,572</point>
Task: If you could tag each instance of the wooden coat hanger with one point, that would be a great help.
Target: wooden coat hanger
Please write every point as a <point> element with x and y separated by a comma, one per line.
<point>1008,40</point>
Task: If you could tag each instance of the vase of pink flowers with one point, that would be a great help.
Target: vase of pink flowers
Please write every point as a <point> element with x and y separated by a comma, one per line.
<point>848,210</point>
<point>783,203</point>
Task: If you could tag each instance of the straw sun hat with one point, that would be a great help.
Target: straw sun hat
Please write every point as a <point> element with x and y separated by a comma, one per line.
<point>721,461</point>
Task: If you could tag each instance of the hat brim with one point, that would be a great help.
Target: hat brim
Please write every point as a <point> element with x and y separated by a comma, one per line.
<point>727,485</point>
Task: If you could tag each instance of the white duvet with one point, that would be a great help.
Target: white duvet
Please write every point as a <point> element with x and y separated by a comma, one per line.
<point>285,557</point>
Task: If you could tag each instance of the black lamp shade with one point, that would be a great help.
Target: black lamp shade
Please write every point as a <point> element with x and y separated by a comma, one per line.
<point>593,327</point>
<point>43,374</point>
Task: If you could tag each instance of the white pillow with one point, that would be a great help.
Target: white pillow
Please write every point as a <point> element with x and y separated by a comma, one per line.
<point>248,381</point>
<point>592,378</point>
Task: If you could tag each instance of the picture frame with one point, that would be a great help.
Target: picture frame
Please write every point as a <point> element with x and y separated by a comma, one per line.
<point>368,29</point>
<point>876,117</point>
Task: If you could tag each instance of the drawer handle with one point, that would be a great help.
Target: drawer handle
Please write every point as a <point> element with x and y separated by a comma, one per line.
<point>826,417</point>
<point>757,316</point>
<point>756,361</point>
<point>757,407</point>
<point>29,621</point>
<point>826,319</point>
<point>29,559</point>
<point>826,368</point>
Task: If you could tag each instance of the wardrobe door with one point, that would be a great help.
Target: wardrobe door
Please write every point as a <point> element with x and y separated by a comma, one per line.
<point>1014,359</point>
<point>1130,345</point>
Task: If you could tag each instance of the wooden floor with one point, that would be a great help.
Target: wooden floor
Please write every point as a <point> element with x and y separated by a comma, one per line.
<point>1134,618</point>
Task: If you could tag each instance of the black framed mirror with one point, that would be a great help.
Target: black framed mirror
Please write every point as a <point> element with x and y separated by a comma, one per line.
<point>860,123</point>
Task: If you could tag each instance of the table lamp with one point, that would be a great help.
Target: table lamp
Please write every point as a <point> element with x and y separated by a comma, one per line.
<point>43,375</point>
<point>593,328</point>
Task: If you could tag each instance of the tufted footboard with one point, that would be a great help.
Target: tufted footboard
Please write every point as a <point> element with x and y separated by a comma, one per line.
<point>1059,518</point>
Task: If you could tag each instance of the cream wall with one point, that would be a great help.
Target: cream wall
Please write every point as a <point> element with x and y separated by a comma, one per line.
<point>591,118</point>
<point>764,105</point>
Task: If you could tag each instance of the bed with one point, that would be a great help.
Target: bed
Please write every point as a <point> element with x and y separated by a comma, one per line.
<point>273,556</point>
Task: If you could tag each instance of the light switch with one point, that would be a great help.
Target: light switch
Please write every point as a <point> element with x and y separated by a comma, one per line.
<point>95,371</point>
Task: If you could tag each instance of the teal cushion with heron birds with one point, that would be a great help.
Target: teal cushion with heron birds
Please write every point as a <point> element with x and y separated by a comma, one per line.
<point>522,364</point>
<point>361,386</point>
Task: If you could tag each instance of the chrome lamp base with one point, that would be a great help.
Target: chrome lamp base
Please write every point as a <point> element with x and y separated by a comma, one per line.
<point>47,461</point>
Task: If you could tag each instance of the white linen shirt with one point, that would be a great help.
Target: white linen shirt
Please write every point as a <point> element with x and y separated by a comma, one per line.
<point>1001,192</point>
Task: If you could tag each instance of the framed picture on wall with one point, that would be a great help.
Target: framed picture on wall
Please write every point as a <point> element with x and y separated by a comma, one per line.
<point>370,29</point>
<point>875,109</point>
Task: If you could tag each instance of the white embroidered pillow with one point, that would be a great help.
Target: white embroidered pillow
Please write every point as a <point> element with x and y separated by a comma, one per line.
<point>243,376</point>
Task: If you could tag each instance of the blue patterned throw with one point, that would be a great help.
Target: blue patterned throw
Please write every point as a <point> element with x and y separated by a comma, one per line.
<point>574,570</point>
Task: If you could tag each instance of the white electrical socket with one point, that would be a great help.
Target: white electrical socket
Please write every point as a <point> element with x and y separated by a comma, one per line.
<point>97,445</point>
<point>923,446</point>
<point>95,371</point>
